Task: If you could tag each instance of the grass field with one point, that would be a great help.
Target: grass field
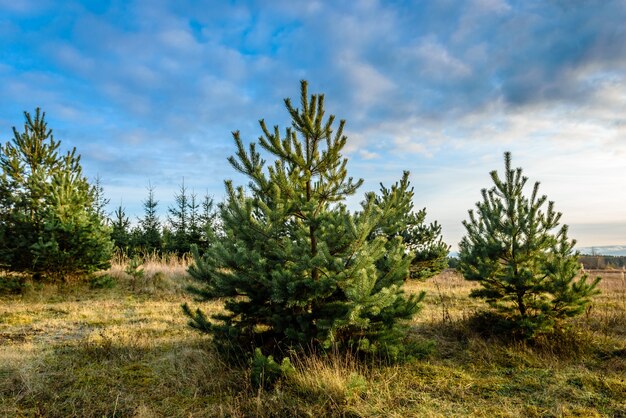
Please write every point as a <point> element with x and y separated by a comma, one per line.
<point>72,350</point>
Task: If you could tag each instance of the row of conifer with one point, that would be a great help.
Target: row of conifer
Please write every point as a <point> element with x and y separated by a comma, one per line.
<point>293,265</point>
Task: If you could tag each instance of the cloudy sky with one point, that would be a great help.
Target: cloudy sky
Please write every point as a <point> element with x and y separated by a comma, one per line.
<point>149,91</point>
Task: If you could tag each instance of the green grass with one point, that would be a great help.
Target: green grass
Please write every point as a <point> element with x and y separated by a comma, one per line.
<point>125,350</point>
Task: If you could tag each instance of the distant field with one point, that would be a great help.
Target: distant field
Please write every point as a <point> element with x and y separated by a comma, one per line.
<point>610,275</point>
<point>126,351</point>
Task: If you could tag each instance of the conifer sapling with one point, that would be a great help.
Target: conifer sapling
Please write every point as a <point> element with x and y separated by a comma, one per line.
<point>295,267</point>
<point>51,220</point>
<point>526,266</point>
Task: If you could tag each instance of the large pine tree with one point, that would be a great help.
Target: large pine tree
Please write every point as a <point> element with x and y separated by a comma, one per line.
<point>526,266</point>
<point>295,266</point>
<point>49,215</point>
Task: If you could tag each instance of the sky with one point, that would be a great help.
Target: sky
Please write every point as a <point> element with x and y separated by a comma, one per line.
<point>149,91</point>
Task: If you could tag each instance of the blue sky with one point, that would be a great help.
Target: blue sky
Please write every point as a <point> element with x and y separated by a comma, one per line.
<point>149,91</point>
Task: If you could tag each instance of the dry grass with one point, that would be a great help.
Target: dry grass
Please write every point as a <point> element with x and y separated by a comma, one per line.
<point>78,351</point>
<point>167,268</point>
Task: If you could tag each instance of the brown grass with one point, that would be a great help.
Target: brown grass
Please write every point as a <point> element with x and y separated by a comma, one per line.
<point>71,350</point>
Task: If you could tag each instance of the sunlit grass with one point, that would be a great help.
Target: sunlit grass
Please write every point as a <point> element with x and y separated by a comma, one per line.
<point>72,350</point>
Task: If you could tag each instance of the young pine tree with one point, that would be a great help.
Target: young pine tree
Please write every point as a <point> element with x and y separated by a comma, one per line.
<point>527,269</point>
<point>423,240</point>
<point>120,230</point>
<point>99,199</point>
<point>294,266</point>
<point>178,217</point>
<point>49,223</point>
<point>194,236</point>
<point>208,220</point>
<point>148,237</point>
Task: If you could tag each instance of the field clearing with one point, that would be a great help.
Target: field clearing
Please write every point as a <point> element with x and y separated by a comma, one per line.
<point>70,350</point>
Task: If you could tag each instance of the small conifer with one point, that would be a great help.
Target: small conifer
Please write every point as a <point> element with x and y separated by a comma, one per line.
<point>120,229</point>
<point>148,235</point>
<point>527,269</point>
<point>179,221</point>
<point>50,220</point>
<point>295,267</point>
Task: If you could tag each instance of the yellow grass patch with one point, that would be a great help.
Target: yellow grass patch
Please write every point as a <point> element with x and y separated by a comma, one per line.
<point>71,350</point>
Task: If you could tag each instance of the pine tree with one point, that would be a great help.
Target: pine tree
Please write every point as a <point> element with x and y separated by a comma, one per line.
<point>423,240</point>
<point>178,217</point>
<point>527,270</point>
<point>149,238</point>
<point>74,240</point>
<point>120,233</point>
<point>49,221</point>
<point>136,246</point>
<point>295,267</point>
<point>99,199</point>
<point>208,221</point>
<point>194,236</point>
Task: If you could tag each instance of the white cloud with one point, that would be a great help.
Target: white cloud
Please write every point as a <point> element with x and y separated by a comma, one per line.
<point>441,88</point>
<point>179,40</point>
<point>490,6</point>
<point>436,62</point>
<point>368,155</point>
<point>369,86</point>
<point>71,58</point>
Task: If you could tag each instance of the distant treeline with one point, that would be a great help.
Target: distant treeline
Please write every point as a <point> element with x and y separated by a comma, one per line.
<point>191,221</point>
<point>589,262</point>
<point>603,261</point>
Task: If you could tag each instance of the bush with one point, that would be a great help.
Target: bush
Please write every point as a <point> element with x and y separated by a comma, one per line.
<point>13,284</point>
<point>265,371</point>
<point>102,282</point>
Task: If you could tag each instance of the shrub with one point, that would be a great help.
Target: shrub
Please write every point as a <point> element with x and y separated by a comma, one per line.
<point>265,371</point>
<point>12,284</point>
<point>104,281</point>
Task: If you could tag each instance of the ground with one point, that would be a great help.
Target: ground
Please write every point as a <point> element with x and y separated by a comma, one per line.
<point>76,350</point>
